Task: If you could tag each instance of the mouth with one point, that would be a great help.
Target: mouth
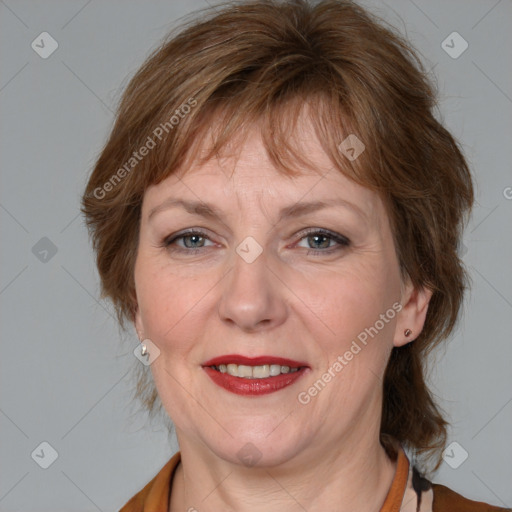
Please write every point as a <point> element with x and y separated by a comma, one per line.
<point>254,376</point>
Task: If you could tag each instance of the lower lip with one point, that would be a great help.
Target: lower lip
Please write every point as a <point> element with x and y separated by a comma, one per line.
<point>253,387</point>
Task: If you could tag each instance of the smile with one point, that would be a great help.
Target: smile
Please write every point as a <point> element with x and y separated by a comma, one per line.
<point>266,374</point>
<point>254,372</point>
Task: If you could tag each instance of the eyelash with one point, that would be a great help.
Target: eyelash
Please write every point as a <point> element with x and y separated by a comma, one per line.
<point>339,239</point>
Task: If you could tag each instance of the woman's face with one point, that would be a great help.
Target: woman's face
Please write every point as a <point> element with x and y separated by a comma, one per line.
<point>259,281</point>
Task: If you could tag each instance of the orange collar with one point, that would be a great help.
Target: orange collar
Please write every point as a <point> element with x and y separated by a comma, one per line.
<point>155,495</point>
<point>393,501</point>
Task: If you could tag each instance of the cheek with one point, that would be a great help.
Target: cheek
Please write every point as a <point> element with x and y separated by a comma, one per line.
<point>170,308</point>
<point>170,303</point>
<point>353,320</point>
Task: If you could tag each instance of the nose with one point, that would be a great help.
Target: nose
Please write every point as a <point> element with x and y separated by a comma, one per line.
<point>253,297</point>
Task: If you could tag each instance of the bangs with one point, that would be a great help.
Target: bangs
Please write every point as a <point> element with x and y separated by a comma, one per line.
<point>218,125</point>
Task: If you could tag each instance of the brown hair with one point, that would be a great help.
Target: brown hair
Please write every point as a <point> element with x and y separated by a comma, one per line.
<point>261,62</point>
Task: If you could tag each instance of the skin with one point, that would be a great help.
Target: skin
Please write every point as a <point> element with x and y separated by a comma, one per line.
<point>323,455</point>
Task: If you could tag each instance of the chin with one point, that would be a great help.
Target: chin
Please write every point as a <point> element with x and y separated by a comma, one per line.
<point>252,446</point>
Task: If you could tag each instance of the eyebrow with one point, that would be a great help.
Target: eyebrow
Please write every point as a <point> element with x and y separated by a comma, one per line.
<point>295,210</point>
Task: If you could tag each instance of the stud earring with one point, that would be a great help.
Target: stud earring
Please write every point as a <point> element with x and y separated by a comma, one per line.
<point>407,333</point>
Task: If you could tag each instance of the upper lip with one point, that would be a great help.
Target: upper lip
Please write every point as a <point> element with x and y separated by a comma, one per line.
<point>253,361</point>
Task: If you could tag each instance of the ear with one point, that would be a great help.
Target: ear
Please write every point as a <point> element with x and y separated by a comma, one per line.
<point>412,316</point>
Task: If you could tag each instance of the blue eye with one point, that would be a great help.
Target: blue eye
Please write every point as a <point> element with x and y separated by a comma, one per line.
<point>319,237</point>
<point>188,235</point>
<point>194,241</point>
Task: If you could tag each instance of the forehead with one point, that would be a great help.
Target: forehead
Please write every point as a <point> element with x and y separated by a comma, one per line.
<point>243,174</point>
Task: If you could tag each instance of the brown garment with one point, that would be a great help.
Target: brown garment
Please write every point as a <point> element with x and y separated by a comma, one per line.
<point>401,497</point>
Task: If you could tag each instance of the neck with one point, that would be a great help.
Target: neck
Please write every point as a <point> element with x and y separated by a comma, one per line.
<point>357,476</point>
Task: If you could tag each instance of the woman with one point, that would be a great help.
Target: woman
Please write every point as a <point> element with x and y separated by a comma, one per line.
<point>278,213</point>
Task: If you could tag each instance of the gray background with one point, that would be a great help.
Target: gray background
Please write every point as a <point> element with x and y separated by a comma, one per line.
<point>65,369</point>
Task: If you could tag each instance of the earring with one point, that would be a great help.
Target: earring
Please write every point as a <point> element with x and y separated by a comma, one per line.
<point>407,333</point>
<point>144,350</point>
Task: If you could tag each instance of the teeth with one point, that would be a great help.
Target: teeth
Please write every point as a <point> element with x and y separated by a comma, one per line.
<point>244,371</point>
<point>275,369</point>
<point>261,372</point>
<point>232,369</point>
<point>254,372</point>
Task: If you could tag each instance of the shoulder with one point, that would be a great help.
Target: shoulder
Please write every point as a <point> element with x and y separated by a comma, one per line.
<point>446,500</point>
<point>155,494</point>
<point>138,502</point>
<point>431,497</point>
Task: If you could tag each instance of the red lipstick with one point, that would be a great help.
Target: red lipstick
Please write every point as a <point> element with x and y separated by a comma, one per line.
<point>254,386</point>
<point>253,361</point>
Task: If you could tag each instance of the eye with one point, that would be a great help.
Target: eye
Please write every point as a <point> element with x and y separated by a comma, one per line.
<point>193,241</point>
<point>321,239</point>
